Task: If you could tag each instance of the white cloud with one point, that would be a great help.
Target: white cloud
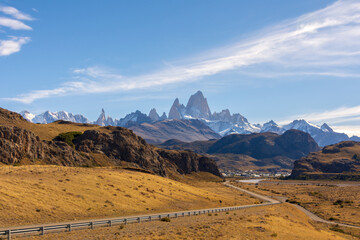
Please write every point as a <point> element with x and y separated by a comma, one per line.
<point>312,43</point>
<point>13,24</point>
<point>15,13</point>
<point>12,45</point>
<point>340,118</point>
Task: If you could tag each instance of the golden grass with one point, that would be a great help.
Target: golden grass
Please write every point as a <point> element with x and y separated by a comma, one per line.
<point>44,194</point>
<point>51,130</point>
<point>318,197</point>
<point>274,222</point>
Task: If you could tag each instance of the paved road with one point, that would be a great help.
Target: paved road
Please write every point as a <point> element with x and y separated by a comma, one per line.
<point>262,197</point>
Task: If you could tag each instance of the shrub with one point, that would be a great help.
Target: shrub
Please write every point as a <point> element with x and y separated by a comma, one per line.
<point>274,235</point>
<point>209,214</point>
<point>337,229</point>
<point>68,137</point>
<point>338,202</point>
<point>121,226</point>
<point>165,219</point>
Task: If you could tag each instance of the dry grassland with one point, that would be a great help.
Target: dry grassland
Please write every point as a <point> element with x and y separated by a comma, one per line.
<point>46,194</point>
<point>272,222</point>
<point>330,200</point>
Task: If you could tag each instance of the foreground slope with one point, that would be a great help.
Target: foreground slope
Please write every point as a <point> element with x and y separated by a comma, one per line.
<point>272,222</point>
<point>338,161</point>
<point>45,194</point>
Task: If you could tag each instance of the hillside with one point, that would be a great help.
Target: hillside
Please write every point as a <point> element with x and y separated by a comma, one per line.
<point>22,142</point>
<point>338,161</point>
<point>45,194</point>
<point>256,150</point>
<point>183,130</point>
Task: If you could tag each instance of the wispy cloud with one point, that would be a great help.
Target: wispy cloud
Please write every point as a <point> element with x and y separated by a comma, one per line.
<point>339,116</point>
<point>13,21</point>
<point>314,42</point>
<point>13,24</point>
<point>15,13</point>
<point>12,45</point>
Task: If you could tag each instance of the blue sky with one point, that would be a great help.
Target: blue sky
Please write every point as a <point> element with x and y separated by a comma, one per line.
<point>276,59</point>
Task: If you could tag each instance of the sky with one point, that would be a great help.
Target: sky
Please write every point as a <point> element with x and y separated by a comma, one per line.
<point>268,60</point>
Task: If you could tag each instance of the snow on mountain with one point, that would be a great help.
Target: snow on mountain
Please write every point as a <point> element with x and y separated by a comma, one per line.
<point>271,126</point>
<point>323,135</point>
<point>27,115</point>
<point>49,117</point>
<point>134,118</point>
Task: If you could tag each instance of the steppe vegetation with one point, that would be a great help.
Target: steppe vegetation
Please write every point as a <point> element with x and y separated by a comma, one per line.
<point>45,194</point>
<point>334,201</point>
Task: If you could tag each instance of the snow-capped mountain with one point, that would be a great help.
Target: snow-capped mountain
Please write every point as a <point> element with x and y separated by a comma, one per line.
<point>27,115</point>
<point>271,126</point>
<point>223,123</point>
<point>49,117</point>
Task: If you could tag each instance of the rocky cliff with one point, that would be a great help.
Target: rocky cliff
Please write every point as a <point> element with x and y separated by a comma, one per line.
<point>338,161</point>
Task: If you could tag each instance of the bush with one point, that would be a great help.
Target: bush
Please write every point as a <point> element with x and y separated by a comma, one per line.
<point>274,235</point>
<point>165,219</point>
<point>338,202</point>
<point>68,137</point>
<point>209,214</point>
<point>337,229</point>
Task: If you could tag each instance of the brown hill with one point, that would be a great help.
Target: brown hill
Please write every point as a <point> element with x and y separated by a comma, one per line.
<point>22,142</point>
<point>183,130</point>
<point>338,161</point>
<point>257,150</point>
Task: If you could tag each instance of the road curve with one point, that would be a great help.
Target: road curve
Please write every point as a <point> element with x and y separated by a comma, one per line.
<point>311,215</point>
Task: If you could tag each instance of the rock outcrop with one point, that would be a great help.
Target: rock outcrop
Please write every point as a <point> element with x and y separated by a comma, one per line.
<point>18,144</point>
<point>338,161</point>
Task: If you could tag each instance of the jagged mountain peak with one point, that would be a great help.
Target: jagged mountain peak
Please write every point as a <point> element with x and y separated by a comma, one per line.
<point>154,115</point>
<point>197,106</point>
<point>326,128</point>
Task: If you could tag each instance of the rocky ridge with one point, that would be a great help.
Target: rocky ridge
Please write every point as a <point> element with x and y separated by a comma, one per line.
<point>112,145</point>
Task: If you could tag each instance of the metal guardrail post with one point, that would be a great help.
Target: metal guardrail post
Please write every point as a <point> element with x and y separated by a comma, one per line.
<point>183,214</point>
<point>149,218</point>
<point>168,215</point>
<point>42,231</point>
<point>139,220</point>
<point>69,227</point>
<point>8,232</point>
<point>92,225</point>
<point>110,223</point>
<point>176,215</point>
<point>125,221</point>
<point>159,217</point>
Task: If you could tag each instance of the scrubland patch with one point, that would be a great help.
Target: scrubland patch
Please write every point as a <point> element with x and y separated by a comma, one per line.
<point>334,201</point>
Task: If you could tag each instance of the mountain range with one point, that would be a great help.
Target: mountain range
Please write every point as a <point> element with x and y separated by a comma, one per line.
<point>219,123</point>
<point>260,151</point>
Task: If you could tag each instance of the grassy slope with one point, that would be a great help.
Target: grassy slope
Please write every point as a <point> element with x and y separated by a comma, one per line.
<point>44,194</point>
<point>51,130</point>
<point>274,222</point>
